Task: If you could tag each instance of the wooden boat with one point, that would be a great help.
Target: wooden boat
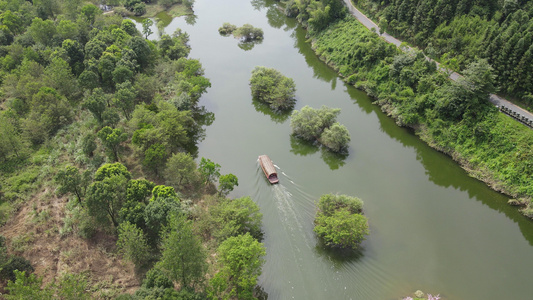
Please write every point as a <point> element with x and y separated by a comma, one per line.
<point>268,169</point>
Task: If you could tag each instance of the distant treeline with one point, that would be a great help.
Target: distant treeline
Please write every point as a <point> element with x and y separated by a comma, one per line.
<point>458,32</point>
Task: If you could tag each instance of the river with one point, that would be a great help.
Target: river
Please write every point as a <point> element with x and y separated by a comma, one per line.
<point>432,227</point>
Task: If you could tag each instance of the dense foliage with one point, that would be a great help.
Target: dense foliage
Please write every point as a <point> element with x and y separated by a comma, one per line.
<point>458,32</point>
<point>241,259</point>
<point>319,125</point>
<point>271,87</point>
<point>93,112</point>
<point>455,117</point>
<point>339,222</point>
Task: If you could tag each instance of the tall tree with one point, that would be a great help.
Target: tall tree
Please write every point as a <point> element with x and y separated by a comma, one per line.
<point>112,138</point>
<point>107,193</point>
<point>241,260</point>
<point>183,257</point>
<point>210,170</point>
<point>70,180</point>
<point>132,244</point>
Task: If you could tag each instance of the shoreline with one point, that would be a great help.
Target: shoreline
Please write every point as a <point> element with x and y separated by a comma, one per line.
<point>482,174</point>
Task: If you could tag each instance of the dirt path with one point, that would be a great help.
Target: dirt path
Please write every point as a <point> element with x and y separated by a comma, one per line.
<point>494,99</point>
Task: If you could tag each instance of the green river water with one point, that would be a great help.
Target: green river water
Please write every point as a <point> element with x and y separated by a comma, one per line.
<point>431,226</point>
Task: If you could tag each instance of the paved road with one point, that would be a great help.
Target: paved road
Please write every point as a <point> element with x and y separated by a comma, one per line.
<point>494,99</point>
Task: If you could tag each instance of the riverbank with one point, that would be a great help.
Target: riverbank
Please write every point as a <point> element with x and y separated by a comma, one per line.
<point>155,10</point>
<point>488,145</point>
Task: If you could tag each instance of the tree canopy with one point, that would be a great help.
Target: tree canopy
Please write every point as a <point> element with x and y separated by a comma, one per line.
<point>271,87</point>
<point>319,125</point>
<point>339,222</point>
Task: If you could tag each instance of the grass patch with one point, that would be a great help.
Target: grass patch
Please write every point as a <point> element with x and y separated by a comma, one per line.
<point>20,243</point>
<point>5,212</point>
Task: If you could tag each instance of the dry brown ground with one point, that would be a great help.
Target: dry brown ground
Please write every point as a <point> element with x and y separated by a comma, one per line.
<point>33,232</point>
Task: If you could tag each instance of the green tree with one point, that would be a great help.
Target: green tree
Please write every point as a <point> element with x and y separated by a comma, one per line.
<point>122,74</point>
<point>142,50</point>
<point>72,287</point>
<point>183,257</point>
<point>88,80</point>
<point>42,31</point>
<point>309,123</point>
<point>156,216</point>
<point>147,23</point>
<point>58,75</point>
<point>27,287</point>
<point>163,191</point>
<point>112,138</point>
<point>125,98</point>
<point>67,30</point>
<point>96,103</point>
<point>227,28</point>
<point>154,157</point>
<point>129,27</point>
<point>106,195</point>
<point>49,112</point>
<point>335,138</point>
<point>88,144</point>
<point>226,183</point>
<point>70,180</point>
<point>139,190</point>
<point>234,217</point>
<point>248,33</point>
<point>181,171</point>
<point>210,170</point>
<point>241,260</point>
<point>329,203</point>
<point>342,229</point>
<point>468,96</point>
<point>132,244</point>
<point>270,86</point>
<point>11,142</point>
<point>89,12</point>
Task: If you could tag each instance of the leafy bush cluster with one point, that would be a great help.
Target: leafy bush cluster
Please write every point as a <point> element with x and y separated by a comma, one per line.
<point>271,87</point>
<point>319,125</point>
<point>339,222</point>
<point>245,33</point>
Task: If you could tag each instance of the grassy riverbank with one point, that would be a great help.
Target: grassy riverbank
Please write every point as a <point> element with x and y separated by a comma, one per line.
<point>454,118</point>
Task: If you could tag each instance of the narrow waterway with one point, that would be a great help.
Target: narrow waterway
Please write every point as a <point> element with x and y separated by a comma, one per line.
<point>432,227</point>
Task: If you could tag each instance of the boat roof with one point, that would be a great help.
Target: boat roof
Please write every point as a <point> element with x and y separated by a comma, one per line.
<point>267,165</point>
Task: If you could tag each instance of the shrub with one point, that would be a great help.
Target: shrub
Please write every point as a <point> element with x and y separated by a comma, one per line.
<point>7,270</point>
<point>339,223</point>
<point>318,125</point>
<point>342,229</point>
<point>227,28</point>
<point>270,86</point>
<point>248,33</point>
<point>330,203</point>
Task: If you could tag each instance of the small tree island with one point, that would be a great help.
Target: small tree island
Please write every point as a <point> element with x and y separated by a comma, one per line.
<point>339,222</point>
<point>319,125</point>
<point>271,87</point>
<point>245,33</point>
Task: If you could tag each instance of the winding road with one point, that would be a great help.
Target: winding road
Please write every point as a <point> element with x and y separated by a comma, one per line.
<point>509,108</point>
